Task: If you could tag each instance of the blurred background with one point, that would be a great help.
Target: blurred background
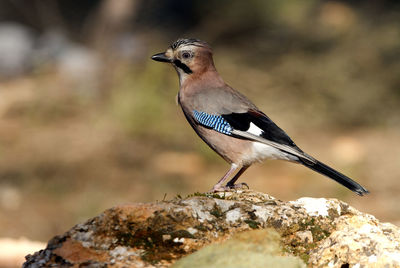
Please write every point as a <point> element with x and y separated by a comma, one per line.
<point>88,121</point>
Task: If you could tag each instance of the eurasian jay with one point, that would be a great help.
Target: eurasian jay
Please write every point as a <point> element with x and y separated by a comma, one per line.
<point>229,122</point>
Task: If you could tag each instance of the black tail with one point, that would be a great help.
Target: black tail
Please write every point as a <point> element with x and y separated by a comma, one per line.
<point>337,176</point>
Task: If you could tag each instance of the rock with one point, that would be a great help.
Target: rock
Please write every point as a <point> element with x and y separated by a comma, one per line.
<point>227,229</point>
<point>81,66</point>
<point>255,248</point>
<point>16,49</point>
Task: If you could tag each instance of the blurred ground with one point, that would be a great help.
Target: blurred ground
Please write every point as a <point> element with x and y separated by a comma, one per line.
<point>87,121</point>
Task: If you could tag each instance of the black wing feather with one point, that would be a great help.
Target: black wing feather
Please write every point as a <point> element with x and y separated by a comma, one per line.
<point>241,121</point>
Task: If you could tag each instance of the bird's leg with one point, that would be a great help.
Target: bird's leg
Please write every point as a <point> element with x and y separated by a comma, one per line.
<point>219,186</point>
<point>231,184</point>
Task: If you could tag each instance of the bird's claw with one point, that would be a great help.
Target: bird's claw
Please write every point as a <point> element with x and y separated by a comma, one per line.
<point>238,186</point>
<point>229,187</point>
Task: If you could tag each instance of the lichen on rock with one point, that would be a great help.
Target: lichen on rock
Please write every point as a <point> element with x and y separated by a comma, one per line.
<point>321,232</point>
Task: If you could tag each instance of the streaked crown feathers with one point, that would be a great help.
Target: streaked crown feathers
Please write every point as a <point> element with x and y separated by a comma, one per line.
<point>189,41</point>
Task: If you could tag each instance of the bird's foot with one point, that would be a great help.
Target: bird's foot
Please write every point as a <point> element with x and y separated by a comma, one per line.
<point>229,187</point>
<point>238,185</point>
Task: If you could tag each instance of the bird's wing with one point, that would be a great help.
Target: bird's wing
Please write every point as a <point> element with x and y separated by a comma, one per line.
<point>251,125</point>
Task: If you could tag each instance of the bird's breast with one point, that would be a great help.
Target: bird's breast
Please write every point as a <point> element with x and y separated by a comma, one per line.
<point>233,150</point>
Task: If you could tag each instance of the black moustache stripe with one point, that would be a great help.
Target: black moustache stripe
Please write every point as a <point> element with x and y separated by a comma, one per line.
<point>182,66</point>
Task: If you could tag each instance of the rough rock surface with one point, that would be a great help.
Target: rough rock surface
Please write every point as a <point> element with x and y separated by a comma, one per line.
<point>255,249</point>
<point>319,232</point>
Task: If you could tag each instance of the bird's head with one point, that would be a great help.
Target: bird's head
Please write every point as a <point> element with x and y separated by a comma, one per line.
<point>188,56</point>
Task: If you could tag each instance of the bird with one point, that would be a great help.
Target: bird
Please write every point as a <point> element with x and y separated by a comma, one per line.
<point>229,122</point>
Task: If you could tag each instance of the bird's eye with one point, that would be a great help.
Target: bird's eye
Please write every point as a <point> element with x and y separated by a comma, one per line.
<point>186,55</point>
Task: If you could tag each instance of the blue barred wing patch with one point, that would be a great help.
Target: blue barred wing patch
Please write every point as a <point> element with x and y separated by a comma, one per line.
<point>215,122</point>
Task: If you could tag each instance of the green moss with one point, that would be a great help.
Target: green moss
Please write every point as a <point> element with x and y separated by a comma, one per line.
<point>209,195</point>
<point>252,224</point>
<point>216,212</point>
<point>156,249</point>
<point>317,231</point>
<point>302,249</point>
<point>305,257</point>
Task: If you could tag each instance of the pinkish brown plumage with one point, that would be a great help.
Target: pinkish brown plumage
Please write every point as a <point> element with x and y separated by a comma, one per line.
<point>229,122</point>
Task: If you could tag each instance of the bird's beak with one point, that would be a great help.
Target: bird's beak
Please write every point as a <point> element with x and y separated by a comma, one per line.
<point>161,57</point>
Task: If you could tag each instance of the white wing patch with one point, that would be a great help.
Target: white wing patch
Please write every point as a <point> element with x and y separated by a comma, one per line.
<point>253,129</point>
<point>261,151</point>
<point>282,147</point>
